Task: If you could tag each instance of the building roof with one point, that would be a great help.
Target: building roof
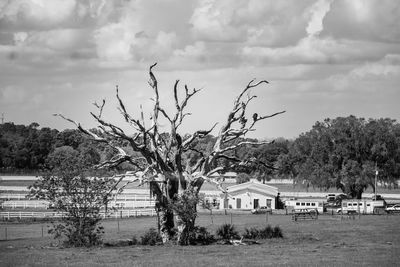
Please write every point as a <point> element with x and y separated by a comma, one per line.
<point>224,175</point>
<point>253,186</point>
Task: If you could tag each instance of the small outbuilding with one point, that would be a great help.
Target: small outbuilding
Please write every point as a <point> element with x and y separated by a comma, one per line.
<point>250,195</point>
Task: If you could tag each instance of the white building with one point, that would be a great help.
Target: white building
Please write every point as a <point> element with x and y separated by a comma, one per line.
<point>249,195</point>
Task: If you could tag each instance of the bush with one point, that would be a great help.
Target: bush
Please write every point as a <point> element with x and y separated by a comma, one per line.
<point>151,238</point>
<point>201,236</point>
<point>251,233</point>
<point>135,241</point>
<point>227,231</point>
<point>70,234</point>
<point>278,232</point>
<point>264,233</point>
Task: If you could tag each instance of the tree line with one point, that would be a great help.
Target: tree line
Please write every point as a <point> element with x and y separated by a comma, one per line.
<point>342,153</point>
<point>29,149</point>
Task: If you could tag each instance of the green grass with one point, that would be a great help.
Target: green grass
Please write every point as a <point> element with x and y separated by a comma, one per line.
<point>329,241</point>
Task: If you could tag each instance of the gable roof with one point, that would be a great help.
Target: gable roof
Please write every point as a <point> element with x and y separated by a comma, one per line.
<point>256,186</point>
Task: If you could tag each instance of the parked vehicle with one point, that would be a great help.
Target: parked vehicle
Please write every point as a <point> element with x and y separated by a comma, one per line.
<point>303,204</point>
<point>361,206</point>
<point>330,197</point>
<point>378,197</point>
<point>260,210</point>
<point>393,209</point>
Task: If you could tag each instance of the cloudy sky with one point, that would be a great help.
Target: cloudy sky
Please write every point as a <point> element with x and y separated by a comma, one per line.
<point>323,58</point>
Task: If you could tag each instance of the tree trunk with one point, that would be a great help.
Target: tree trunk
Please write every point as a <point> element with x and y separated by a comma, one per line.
<point>184,230</point>
<point>166,224</point>
<point>166,215</point>
<point>356,193</point>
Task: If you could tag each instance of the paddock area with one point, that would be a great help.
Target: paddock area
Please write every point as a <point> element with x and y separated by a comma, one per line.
<point>368,240</point>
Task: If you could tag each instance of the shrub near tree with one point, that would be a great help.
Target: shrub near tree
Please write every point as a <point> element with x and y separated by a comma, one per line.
<point>71,186</point>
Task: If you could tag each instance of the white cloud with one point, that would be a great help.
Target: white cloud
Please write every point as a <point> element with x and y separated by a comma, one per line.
<point>192,51</point>
<point>373,20</point>
<point>318,12</point>
<point>256,21</point>
<point>126,40</point>
<point>388,66</point>
<point>37,12</point>
<point>19,38</point>
<point>113,42</point>
<point>59,39</point>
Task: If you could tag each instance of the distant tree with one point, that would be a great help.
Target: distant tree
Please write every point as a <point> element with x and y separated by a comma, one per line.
<point>242,178</point>
<point>71,186</point>
<point>343,152</point>
<point>68,137</point>
<point>24,148</point>
<point>207,205</point>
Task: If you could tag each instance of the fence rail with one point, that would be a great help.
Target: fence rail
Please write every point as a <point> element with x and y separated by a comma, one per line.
<point>5,215</point>
<point>40,204</point>
<point>25,204</point>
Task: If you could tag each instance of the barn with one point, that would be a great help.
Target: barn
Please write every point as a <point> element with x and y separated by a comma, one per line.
<point>249,195</point>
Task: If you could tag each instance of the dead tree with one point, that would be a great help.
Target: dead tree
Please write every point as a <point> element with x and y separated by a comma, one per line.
<point>161,163</point>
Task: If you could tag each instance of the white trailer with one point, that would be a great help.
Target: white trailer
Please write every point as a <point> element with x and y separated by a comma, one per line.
<point>305,204</point>
<point>361,206</point>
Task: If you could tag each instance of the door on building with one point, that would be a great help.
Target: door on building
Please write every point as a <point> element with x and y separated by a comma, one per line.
<point>256,203</point>
<point>226,203</point>
<point>269,201</point>
<point>238,203</point>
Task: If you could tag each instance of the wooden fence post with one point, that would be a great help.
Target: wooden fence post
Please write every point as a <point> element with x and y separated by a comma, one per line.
<point>341,213</point>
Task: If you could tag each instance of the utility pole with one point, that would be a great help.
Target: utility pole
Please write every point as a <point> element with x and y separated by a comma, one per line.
<point>376,177</point>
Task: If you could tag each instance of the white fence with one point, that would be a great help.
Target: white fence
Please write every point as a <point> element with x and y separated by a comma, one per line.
<point>9,196</point>
<point>47,214</point>
<point>32,204</point>
<point>119,204</point>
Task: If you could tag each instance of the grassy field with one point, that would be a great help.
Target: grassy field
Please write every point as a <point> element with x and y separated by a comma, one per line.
<point>329,241</point>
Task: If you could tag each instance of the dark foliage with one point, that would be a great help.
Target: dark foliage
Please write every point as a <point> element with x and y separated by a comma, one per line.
<point>151,238</point>
<point>227,231</point>
<point>263,233</point>
<point>25,149</point>
<point>200,236</point>
<point>185,206</point>
<point>76,235</point>
<point>135,241</point>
